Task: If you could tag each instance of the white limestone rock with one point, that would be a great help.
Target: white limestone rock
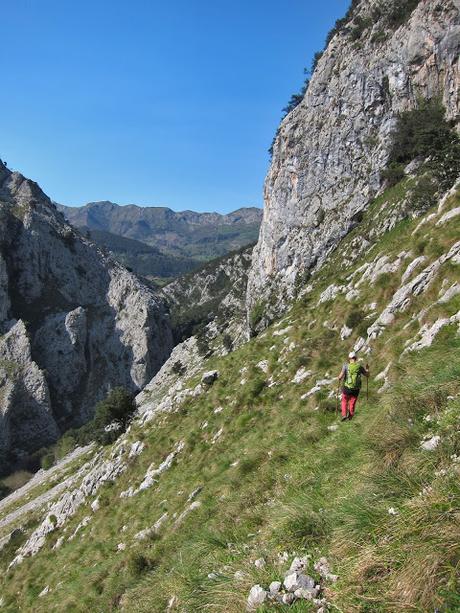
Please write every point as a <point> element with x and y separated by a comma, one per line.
<point>448,216</point>
<point>301,375</point>
<point>450,293</point>
<point>431,443</point>
<point>91,325</point>
<point>330,150</point>
<point>412,266</point>
<point>209,377</point>
<point>257,596</point>
<point>263,365</point>
<point>274,587</point>
<point>297,580</point>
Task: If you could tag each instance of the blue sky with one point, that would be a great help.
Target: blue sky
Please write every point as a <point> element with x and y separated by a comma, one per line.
<point>156,103</point>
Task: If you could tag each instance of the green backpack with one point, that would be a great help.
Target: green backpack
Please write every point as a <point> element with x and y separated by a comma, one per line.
<point>353,378</point>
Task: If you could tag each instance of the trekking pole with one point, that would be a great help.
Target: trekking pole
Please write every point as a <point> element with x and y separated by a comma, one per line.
<point>367,383</point>
<point>337,400</point>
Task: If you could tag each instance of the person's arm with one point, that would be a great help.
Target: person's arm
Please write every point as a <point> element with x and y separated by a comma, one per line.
<point>342,373</point>
<point>365,370</point>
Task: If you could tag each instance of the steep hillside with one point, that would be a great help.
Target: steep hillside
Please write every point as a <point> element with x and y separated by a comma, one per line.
<point>224,478</point>
<point>201,236</point>
<point>331,149</point>
<point>236,486</point>
<point>215,293</point>
<point>73,322</point>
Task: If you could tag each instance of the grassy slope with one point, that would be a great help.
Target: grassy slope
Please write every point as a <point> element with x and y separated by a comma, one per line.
<point>297,486</point>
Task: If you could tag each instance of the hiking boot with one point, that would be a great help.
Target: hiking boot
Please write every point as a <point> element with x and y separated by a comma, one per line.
<point>344,418</point>
<point>350,416</point>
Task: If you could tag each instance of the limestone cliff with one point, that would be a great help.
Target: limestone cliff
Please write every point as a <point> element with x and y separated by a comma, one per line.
<point>75,322</point>
<point>331,149</point>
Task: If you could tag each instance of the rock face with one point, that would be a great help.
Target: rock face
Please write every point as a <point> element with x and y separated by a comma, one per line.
<point>75,323</point>
<point>330,149</point>
<point>215,293</point>
<point>25,408</point>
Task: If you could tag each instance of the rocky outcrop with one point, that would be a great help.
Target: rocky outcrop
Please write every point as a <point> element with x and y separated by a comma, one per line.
<point>216,293</point>
<point>26,418</point>
<point>82,323</point>
<point>331,149</point>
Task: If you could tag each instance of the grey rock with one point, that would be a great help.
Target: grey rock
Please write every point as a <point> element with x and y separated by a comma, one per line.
<point>296,580</point>
<point>196,504</point>
<point>288,598</point>
<point>331,149</point>
<point>26,418</point>
<point>91,325</point>
<point>209,377</point>
<point>306,594</point>
<point>44,591</point>
<point>298,564</point>
<point>274,587</point>
<point>322,566</point>
<point>431,443</point>
<point>257,596</point>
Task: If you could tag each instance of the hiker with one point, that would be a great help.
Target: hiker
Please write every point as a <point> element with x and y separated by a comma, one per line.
<point>351,377</point>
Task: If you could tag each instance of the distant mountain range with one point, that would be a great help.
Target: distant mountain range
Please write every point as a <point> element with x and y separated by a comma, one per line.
<point>194,236</point>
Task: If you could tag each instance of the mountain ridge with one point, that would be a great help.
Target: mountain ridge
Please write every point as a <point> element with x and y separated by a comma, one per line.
<point>184,233</point>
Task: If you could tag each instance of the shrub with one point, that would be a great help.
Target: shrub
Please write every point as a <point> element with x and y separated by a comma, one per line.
<point>423,195</point>
<point>254,387</point>
<point>296,99</point>
<point>302,360</point>
<point>400,11</point>
<point>360,25</point>
<point>379,37</point>
<point>117,407</point>
<point>393,174</point>
<point>203,344</point>
<point>227,342</point>
<point>420,132</point>
<point>420,247</point>
<point>178,368</point>
<point>65,445</point>
<point>257,314</point>
<point>354,318</point>
<point>316,58</point>
<point>425,133</point>
<point>4,490</point>
<point>47,460</point>
<point>250,464</point>
<point>138,564</point>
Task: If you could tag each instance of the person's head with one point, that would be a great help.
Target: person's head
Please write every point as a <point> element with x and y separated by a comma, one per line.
<point>352,356</point>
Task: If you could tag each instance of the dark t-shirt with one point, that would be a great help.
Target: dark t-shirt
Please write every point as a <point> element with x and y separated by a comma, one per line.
<point>349,391</point>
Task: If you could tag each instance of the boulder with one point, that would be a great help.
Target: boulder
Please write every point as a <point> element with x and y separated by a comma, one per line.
<point>257,596</point>
<point>209,377</point>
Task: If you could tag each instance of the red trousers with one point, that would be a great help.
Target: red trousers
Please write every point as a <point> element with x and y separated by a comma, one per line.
<point>348,404</point>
